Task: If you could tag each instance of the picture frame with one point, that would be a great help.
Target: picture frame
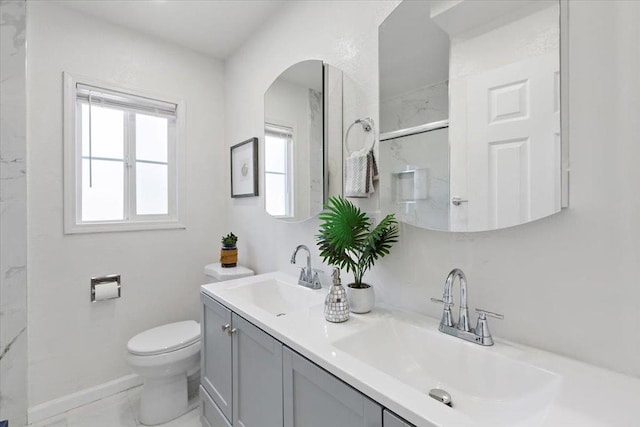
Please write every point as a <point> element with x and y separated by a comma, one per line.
<point>244,169</point>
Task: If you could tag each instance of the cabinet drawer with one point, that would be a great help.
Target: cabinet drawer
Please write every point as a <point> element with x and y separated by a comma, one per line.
<point>210,415</point>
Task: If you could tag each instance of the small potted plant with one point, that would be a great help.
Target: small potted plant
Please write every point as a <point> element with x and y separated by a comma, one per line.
<point>347,240</point>
<point>229,251</point>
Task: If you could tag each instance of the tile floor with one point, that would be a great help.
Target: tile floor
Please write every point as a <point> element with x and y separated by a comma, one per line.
<point>119,410</point>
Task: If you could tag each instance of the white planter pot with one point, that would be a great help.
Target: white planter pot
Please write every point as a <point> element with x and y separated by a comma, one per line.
<point>361,300</point>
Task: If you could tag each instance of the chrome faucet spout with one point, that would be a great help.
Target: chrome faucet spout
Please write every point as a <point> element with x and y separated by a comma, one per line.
<point>295,252</point>
<point>463,316</point>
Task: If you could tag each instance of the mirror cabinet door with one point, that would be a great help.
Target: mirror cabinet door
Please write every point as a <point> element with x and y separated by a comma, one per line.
<point>470,113</point>
<point>300,108</point>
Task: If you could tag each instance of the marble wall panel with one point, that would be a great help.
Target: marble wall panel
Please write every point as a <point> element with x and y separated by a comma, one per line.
<point>417,107</point>
<point>13,213</point>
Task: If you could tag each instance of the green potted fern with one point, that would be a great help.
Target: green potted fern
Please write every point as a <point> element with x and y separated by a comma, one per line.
<point>349,241</point>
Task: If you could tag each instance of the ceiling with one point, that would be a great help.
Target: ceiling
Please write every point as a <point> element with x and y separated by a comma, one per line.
<point>213,27</point>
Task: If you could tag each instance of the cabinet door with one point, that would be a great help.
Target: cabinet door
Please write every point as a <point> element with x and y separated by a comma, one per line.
<point>257,377</point>
<point>315,398</point>
<point>389,419</point>
<point>216,354</point>
<point>210,415</point>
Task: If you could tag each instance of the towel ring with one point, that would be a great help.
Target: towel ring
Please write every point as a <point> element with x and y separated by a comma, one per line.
<point>368,126</point>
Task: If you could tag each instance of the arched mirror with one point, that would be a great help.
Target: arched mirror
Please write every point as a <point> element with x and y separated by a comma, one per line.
<point>470,103</point>
<point>302,110</point>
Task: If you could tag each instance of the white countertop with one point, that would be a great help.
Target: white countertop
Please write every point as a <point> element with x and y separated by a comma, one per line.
<point>588,395</point>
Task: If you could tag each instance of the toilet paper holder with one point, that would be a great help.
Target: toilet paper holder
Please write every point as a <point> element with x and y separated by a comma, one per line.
<point>105,281</point>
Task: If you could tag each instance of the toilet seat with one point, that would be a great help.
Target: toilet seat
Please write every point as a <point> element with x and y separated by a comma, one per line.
<point>165,338</point>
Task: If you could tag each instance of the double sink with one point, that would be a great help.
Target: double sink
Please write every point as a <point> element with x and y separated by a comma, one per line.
<point>487,386</point>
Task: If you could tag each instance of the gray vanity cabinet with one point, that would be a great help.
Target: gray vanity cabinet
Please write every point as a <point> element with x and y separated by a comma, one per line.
<point>216,367</point>
<point>315,398</point>
<point>389,419</point>
<point>241,379</point>
<point>257,377</point>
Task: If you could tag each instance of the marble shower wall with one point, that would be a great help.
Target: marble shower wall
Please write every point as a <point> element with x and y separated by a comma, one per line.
<point>13,213</point>
<point>420,106</point>
<point>316,151</point>
<point>414,182</point>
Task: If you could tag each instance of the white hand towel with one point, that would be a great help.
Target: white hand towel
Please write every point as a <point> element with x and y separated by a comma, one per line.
<point>360,170</point>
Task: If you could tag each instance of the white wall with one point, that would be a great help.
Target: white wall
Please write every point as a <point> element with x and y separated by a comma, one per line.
<point>74,344</point>
<point>568,283</point>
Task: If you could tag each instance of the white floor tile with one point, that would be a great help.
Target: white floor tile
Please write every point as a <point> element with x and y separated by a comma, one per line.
<point>114,411</point>
<point>57,421</point>
<point>133,395</point>
<point>190,419</point>
<point>120,410</point>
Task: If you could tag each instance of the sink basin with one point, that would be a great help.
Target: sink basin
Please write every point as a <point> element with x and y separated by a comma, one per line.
<point>275,296</point>
<point>490,388</point>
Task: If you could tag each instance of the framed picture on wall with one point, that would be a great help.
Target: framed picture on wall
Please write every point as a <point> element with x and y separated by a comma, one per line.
<point>244,169</point>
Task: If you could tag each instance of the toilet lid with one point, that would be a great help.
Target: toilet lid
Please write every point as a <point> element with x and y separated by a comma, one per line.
<point>165,338</point>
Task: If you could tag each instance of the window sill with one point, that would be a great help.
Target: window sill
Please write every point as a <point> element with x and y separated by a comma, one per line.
<point>108,227</point>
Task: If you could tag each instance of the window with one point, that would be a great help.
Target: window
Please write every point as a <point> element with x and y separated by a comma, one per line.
<point>277,170</point>
<point>121,159</point>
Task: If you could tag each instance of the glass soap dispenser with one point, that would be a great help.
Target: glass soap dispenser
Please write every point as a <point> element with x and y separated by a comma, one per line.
<point>336,304</point>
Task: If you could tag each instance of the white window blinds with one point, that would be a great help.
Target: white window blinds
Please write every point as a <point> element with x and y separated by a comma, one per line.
<point>105,97</point>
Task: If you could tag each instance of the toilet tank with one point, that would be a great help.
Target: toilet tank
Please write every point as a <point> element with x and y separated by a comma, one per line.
<point>216,273</point>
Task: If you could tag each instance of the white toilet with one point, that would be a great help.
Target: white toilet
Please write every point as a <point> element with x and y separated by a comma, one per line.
<point>163,357</point>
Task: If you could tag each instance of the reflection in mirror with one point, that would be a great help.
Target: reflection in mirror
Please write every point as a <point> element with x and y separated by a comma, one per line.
<point>470,113</point>
<point>294,143</point>
<point>302,160</point>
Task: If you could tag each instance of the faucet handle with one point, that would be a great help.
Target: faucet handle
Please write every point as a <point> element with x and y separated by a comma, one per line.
<point>315,281</point>
<point>484,313</point>
<point>443,302</point>
<point>483,335</point>
<point>447,319</point>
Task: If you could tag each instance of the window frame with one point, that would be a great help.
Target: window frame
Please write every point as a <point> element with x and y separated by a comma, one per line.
<point>73,166</point>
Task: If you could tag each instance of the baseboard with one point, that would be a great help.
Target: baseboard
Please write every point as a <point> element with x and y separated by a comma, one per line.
<point>65,403</point>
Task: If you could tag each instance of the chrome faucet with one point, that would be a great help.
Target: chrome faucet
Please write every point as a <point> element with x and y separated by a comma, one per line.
<point>480,334</point>
<point>308,277</point>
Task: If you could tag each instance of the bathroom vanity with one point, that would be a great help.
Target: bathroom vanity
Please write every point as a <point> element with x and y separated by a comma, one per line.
<point>252,381</point>
<point>255,380</point>
<point>250,378</point>
<point>270,359</point>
